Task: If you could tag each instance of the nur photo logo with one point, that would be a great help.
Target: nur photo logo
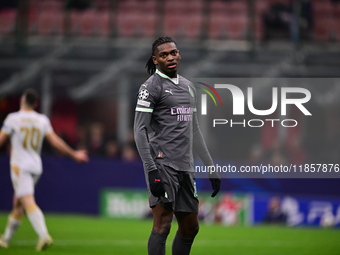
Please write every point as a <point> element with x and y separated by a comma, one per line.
<point>281,97</point>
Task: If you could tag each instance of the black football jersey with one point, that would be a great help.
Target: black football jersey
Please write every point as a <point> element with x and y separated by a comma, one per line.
<point>166,120</point>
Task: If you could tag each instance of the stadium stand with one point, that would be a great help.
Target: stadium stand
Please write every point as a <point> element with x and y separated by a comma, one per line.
<point>7,21</point>
<point>134,18</point>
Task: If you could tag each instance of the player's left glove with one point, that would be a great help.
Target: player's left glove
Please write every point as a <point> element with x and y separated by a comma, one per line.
<point>215,181</point>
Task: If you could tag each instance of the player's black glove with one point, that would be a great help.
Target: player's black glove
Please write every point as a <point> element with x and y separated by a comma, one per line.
<point>156,184</point>
<point>215,181</point>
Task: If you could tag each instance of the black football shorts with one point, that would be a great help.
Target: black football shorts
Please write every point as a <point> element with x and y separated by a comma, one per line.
<point>180,189</point>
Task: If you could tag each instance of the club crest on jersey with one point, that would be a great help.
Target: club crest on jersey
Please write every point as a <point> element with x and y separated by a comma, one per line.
<point>143,94</point>
<point>191,92</point>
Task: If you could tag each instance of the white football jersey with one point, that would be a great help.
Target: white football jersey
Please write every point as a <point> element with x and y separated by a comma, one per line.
<point>27,130</point>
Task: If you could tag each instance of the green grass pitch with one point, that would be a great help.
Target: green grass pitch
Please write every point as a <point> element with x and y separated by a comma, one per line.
<point>78,234</point>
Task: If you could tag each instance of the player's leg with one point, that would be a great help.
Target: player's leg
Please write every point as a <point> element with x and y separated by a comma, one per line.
<point>188,227</point>
<point>162,218</point>
<point>186,212</point>
<point>13,223</point>
<point>25,192</point>
<point>37,219</point>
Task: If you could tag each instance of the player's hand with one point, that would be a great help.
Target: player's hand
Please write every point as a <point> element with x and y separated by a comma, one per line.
<point>156,183</point>
<point>215,181</point>
<point>81,156</point>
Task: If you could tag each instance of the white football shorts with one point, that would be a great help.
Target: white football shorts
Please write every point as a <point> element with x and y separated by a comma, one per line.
<point>23,181</point>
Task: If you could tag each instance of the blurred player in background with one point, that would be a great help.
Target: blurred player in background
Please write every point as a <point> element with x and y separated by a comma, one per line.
<point>166,130</point>
<point>26,130</point>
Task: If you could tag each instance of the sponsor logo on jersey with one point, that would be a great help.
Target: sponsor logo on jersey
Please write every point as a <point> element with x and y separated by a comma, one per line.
<point>143,103</point>
<point>183,113</point>
<point>169,91</point>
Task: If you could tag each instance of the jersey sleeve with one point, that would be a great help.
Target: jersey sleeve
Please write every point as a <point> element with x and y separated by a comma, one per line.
<point>48,129</point>
<point>146,101</point>
<point>147,97</point>
<point>7,127</point>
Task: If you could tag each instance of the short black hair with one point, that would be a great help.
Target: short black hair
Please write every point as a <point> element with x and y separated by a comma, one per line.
<point>151,67</point>
<point>30,97</point>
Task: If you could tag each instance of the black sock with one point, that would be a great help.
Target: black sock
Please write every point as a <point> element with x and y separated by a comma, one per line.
<point>181,245</point>
<point>156,243</point>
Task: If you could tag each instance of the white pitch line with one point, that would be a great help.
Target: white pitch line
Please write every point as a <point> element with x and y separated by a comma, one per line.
<point>221,243</point>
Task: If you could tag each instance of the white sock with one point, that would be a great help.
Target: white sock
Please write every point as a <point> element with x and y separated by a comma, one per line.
<point>37,219</point>
<point>12,226</point>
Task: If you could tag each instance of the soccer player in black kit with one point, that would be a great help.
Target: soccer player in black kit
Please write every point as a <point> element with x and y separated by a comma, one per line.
<point>166,132</point>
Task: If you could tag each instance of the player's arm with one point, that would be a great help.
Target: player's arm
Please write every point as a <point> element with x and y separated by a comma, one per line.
<point>201,149</point>
<point>79,156</point>
<point>3,138</point>
<point>6,130</point>
<point>141,124</point>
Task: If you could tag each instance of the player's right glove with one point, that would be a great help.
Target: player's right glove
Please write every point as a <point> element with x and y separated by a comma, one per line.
<point>215,181</point>
<point>156,184</point>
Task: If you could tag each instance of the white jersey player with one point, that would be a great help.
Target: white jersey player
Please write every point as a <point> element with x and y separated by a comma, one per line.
<point>26,130</point>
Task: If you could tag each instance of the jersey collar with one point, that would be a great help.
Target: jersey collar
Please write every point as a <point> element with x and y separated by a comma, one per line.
<point>167,77</point>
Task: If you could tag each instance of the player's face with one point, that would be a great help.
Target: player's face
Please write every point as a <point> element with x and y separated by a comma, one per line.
<point>167,57</point>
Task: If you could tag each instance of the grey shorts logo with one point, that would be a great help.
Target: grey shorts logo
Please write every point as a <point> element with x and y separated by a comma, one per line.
<point>195,190</point>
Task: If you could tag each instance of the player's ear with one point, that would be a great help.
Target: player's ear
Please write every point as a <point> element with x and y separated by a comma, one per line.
<point>179,53</point>
<point>154,59</point>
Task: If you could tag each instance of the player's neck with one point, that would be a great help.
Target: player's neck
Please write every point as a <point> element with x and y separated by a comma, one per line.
<point>26,108</point>
<point>170,75</point>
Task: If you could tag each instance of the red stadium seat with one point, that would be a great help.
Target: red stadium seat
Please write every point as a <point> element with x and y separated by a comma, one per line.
<point>136,24</point>
<point>259,28</point>
<point>88,20</point>
<point>187,7</point>
<point>231,27</point>
<point>337,28</point>
<point>94,23</point>
<point>33,21</point>
<point>218,7</point>
<point>50,5</point>
<point>185,26</point>
<point>7,21</point>
<point>102,4</point>
<point>237,7</point>
<point>322,8</point>
<point>323,28</point>
<point>76,20</point>
<point>261,6</point>
<point>50,23</point>
<point>337,10</point>
<point>145,7</point>
<point>136,18</point>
